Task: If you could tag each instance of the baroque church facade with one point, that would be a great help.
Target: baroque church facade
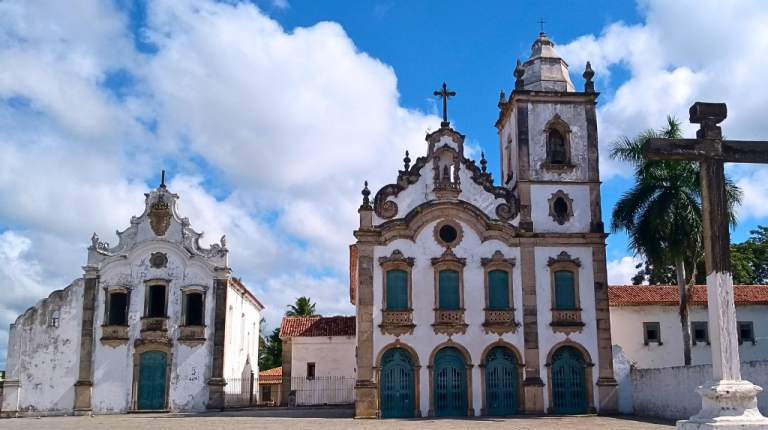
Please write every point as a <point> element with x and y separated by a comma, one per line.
<point>156,323</point>
<point>474,298</point>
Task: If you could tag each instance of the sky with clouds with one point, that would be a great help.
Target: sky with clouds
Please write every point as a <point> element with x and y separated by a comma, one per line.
<point>269,115</point>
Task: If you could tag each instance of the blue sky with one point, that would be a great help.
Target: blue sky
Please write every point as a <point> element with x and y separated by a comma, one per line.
<point>269,115</point>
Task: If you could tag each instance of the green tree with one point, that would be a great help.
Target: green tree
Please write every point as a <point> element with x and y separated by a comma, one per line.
<point>661,214</point>
<point>270,351</point>
<point>303,308</point>
<point>750,259</point>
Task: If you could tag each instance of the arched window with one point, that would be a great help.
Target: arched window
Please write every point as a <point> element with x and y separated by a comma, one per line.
<point>397,290</point>
<point>556,147</point>
<point>55,319</point>
<point>498,290</point>
<point>449,294</point>
<point>565,290</point>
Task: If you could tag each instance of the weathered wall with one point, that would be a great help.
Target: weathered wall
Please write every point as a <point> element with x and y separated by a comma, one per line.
<point>622,371</point>
<point>543,222</point>
<point>333,356</point>
<point>241,336</point>
<point>572,114</point>
<point>44,359</point>
<point>627,332</point>
<point>671,392</point>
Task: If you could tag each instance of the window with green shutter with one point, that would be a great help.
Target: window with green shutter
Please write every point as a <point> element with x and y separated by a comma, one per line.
<point>498,290</point>
<point>565,291</point>
<point>397,290</point>
<point>449,290</point>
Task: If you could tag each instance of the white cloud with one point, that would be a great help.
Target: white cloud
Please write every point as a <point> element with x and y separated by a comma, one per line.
<point>281,4</point>
<point>620,272</point>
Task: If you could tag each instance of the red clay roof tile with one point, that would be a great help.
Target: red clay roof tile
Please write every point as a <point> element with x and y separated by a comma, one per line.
<point>317,327</point>
<point>668,295</point>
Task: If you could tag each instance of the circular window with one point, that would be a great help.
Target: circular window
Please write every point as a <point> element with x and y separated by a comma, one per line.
<point>448,234</point>
<point>158,260</point>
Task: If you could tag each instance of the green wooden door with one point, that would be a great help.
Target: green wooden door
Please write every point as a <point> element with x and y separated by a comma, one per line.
<point>501,391</point>
<point>450,384</point>
<point>152,389</point>
<point>397,386</point>
<point>569,390</point>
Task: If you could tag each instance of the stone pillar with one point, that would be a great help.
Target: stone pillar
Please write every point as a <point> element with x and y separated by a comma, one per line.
<point>287,369</point>
<point>84,384</point>
<point>533,386</point>
<point>607,387</point>
<point>217,382</point>
<point>12,388</point>
<point>366,393</point>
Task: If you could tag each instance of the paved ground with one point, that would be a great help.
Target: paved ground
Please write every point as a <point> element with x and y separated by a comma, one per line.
<point>336,419</point>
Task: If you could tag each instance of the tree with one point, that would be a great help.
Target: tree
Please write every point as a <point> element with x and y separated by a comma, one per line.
<point>303,308</point>
<point>661,213</point>
<point>270,351</point>
<point>750,259</point>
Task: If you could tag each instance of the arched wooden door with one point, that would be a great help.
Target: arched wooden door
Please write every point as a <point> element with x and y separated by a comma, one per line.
<point>449,383</point>
<point>501,390</point>
<point>569,389</point>
<point>152,381</point>
<point>396,385</point>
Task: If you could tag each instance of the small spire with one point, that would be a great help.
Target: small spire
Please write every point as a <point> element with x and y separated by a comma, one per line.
<point>366,201</point>
<point>589,86</point>
<point>519,72</point>
<point>502,100</point>
<point>407,161</point>
<point>483,161</point>
<point>162,181</point>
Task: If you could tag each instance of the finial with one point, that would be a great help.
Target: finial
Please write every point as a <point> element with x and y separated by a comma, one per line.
<point>444,94</point>
<point>542,22</point>
<point>162,181</point>
<point>366,201</point>
<point>519,72</point>
<point>483,161</point>
<point>589,86</point>
<point>407,161</point>
<point>502,100</point>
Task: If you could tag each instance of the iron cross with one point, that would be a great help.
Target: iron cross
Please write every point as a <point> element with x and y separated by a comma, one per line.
<point>542,22</point>
<point>444,94</point>
<point>711,152</point>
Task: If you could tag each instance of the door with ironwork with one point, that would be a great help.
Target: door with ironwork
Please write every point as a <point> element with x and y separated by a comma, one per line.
<point>449,383</point>
<point>569,389</point>
<point>396,385</point>
<point>501,390</point>
<point>152,381</point>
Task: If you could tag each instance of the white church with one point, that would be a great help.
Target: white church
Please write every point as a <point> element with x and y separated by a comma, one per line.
<point>156,323</point>
<point>474,298</point>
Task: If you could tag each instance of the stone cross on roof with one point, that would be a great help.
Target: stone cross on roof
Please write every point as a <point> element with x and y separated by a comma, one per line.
<point>444,94</point>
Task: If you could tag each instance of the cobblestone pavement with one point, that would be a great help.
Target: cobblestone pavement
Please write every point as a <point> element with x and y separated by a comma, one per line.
<point>321,419</point>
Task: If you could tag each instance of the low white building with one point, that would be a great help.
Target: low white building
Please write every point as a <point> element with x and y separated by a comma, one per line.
<point>145,328</point>
<point>319,362</point>
<point>645,323</point>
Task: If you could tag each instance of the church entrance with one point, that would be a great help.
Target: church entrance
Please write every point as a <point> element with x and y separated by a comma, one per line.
<point>569,389</point>
<point>397,385</point>
<point>501,391</point>
<point>450,383</point>
<point>152,381</point>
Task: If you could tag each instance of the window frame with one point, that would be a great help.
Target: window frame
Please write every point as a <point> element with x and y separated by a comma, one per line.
<point>396,261</point>
<point>498,262</point>
<point>751,329</point>
<point>706,332</point>
<point>184,307</point>
<point>448,261</point>
<point>313,366</point>
<point>108,305</point>
<point>658,340</point>
<point>55,319</point>
<point>147,287</point>
<point>557,123</point>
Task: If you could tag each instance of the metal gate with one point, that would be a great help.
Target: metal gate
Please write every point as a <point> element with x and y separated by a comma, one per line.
<point>450,383</point>
<point>152,389</point>
<point>396,384</point>
<point>569,390</point>
<point>501,391</point>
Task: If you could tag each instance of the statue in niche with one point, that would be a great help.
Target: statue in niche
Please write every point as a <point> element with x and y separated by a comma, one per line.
<point>556,147</point>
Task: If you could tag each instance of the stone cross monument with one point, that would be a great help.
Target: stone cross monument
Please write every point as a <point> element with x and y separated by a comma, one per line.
<point>728,402</point>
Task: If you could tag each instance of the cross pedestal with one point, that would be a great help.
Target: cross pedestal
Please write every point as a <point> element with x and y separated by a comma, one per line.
<point>727,401</point>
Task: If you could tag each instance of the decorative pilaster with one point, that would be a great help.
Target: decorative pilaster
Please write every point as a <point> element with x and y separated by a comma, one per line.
<point>533,386</point>
<point>607,387</point>
<point>216,383</point>
<point>287,370</point>
<point>366,401</point>
<point>84,384</point>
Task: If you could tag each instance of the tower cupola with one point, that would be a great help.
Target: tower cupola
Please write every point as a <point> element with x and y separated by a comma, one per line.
<point>544,70</point>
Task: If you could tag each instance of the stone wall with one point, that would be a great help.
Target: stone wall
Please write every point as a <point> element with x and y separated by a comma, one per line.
<point>671,392</point>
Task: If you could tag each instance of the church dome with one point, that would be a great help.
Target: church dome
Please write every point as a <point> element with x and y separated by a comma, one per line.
<point>545,70</point>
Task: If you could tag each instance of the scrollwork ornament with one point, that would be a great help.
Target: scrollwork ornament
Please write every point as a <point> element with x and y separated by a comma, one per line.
<point>506,212</point>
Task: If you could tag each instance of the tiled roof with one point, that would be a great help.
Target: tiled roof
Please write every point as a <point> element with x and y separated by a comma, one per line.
<point>271,376</point>
<point>352,273</point>
<point>277,371</point>
<point>668,295</point>
<point>239,285</point>
<point>316,327</point>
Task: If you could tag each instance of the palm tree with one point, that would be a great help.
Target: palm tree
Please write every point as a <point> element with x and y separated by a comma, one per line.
<point>661,214</point>
<point>303,308</point>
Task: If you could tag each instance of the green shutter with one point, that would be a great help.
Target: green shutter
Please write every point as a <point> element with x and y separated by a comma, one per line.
<point>397,290</point>
<point>449,289</point>
<point>498,290</point>
<point>565,294</point>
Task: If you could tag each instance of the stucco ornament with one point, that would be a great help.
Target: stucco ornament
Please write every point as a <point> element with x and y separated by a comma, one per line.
<point>397,257</point>
<point>564,257</point>
<point>160,217</point>
<point>497,257</point>
<point>560,207</point>
<point>449,256</point>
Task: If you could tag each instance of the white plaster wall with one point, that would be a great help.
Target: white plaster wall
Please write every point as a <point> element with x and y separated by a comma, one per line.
<point>627,332</point>
<point>334,356</point>
<point>424,340</point>
<point>113,367</point>
<point>547,337</point>
<point>573,114</point>
<point>670,392</point>
<point>622,373</point>
<point>44,359</point>
<point>241,341</point>
<point>543,222</point>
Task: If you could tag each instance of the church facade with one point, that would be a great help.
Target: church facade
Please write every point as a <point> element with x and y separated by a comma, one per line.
<point>478,298</point>
<point>155,324</point>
